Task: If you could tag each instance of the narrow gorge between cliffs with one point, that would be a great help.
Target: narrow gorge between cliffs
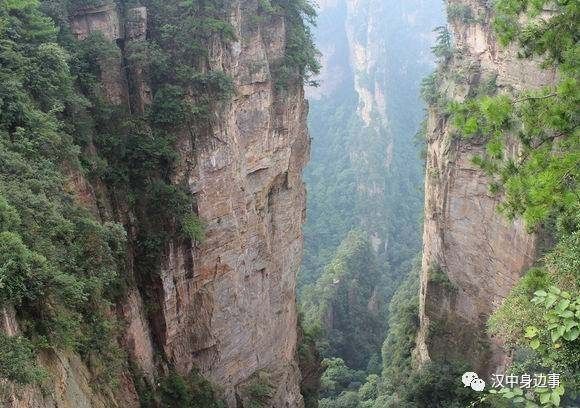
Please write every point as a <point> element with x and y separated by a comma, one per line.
<point>289,204</point>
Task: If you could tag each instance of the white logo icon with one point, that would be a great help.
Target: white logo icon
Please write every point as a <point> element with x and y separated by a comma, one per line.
<point>478,385</point>
<point>471,379</point>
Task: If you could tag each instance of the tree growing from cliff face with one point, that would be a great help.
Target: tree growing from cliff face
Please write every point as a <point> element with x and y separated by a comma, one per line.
<point>301,59</point>
<point>538,182</point>
<point>57,262</point>
<point>443,48</point>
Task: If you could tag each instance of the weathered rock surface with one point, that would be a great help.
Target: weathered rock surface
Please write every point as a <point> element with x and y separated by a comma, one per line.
<point>71,383</point>
<point>482,253</point>
<point>227,306</point>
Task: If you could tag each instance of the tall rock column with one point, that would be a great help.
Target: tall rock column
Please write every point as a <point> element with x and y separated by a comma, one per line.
<point>229,305</point>
<point>472,255</point>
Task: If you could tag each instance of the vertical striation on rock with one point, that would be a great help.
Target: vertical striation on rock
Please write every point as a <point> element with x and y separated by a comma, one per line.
<point>472,255</point>
<point>229,304</point>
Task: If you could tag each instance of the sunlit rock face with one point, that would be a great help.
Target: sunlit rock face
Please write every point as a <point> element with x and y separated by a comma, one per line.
<point>226,306</point>
<point>481,252</point>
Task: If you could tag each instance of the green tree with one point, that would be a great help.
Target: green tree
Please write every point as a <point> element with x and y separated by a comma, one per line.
<point>539,184</point>
<point>443,48</point>
<point>338,303</point>
<point>57,261</point>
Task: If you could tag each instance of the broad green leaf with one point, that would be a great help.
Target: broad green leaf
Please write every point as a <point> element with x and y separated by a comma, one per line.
<point>563,305</point>
<point>531,332</point>
<point>508,394</point>
<point>568,324</point>
<point>572,334</point>
<point>550,300</point>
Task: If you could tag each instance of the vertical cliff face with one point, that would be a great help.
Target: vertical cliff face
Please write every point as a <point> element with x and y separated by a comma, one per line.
<point>225,306</point>
<point>228,306</point>
<point>472,255</point>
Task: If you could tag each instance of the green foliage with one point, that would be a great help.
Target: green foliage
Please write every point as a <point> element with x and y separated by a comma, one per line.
<point>309,362</point>
<point>541,181</point>
<point>487,86</point>
<point>516,312</point>
<point>403,326</point>
<point>369,391</point>
<point>337,377</point>
<point>555,38</point>
<point>430,91</point>
<point>460,12</point>
<point>18,360</point>
<point>136,153</point>
<point>379,193</point>
<point>191,391</point>
<point>562,314</point>
<point>443,49</point>
<point>258,390</point>
<point>300,61</point>
<point>19,270</point>
<point>168,108</point>
<point>266,6</point>
<point>175,56</point>
<point>215,83</point>
<point>544,322</point>
<point>540,185</point>
<point>440,278</point>
<point>57,262</point>
<point>488,115</point>
<point>347,399</point>
<point>193,227</point>
<point>59,265</point>
<point>342,294</point>
<point>9,218</point>
<point>541,397</point>
<point>437,385</point>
